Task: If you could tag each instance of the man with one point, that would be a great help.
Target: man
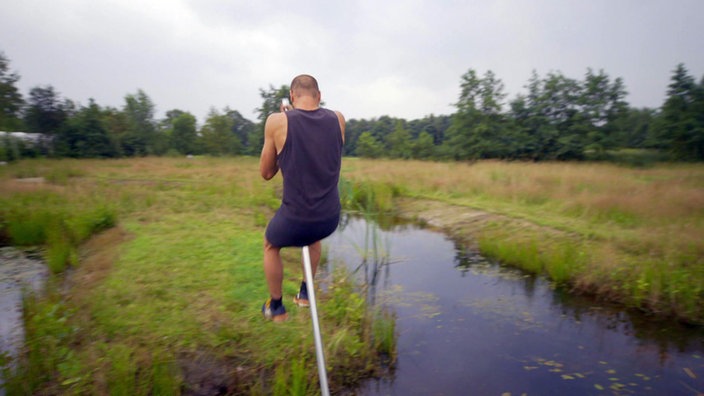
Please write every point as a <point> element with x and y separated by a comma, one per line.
<point>305,142</point>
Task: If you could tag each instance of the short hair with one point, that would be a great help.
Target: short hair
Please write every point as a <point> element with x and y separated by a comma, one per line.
<point>305,84</point>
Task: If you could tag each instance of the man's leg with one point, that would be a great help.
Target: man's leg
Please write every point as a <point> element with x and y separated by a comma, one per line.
<point>274,272</point>
<point>315,251</point>
<point>273,269</point>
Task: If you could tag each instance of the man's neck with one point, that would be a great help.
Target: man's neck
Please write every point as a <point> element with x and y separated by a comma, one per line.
<point>306,103</point>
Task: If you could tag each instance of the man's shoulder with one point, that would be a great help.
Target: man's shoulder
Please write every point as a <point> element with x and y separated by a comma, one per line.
<point>276,125</point>
<point>276,117</point>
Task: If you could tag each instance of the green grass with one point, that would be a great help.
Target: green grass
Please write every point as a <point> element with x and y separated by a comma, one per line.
<point>186,281</point>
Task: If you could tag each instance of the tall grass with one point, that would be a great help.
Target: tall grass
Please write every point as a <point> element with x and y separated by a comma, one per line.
<point>367,197</point>
<point>53,219</point>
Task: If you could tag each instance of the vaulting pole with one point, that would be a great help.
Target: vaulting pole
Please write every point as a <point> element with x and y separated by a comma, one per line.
<point>320,355</point>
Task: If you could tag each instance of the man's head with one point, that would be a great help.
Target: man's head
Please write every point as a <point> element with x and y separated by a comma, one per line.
<point>304,85</point>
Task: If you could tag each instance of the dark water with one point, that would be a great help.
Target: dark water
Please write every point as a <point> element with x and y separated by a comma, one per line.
<point>19,271</point>
<point>467,326</point>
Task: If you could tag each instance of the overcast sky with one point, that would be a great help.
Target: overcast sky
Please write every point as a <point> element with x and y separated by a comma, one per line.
<point>401,58</point>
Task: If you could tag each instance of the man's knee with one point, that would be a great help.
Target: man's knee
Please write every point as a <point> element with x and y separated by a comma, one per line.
<point>268,247</point>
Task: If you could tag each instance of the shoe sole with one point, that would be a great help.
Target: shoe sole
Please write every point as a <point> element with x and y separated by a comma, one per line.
<point>277,318</point>
<point>301,303</point>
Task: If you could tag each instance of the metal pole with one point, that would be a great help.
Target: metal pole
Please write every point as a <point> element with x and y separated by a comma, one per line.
<point>322,372</point>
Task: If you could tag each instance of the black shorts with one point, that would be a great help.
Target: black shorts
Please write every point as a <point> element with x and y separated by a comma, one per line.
<point>285,232</point>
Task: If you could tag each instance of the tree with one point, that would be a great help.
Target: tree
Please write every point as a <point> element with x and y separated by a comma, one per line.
<point>117,127</point>
<point>549,118</point>
<point>423,147</point>
<point>399,142</point>
<point>433,125</point>
<point>11,101</point>
<point>603,110</point>
<point>85,136</point>
<point>368,146</point>
<point>217,135</point>
<point>244,129</point>
<point>680,127</point>
<point>141,135</point>
<point>477,125</point>
<point>353,130</point>
<point>44,112</point>
<point>636,128</point>
<point>271,104</point>
<point>382,127</point>
<point>183,134</point>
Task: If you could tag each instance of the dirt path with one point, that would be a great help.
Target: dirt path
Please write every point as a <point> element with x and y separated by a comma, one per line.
<point>460,222</point>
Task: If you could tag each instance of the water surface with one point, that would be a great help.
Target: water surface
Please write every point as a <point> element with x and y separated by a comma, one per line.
<point>467,326</point>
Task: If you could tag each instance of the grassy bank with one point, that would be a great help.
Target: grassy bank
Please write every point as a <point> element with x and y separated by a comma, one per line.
<point>630,235</point>
<point>168,299</point>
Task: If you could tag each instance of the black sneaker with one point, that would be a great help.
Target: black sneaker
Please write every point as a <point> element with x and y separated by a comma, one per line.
<point>276,315</point>
<point>301,298</point>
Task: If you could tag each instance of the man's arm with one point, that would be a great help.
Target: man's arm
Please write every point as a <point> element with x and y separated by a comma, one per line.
<point>267,162</point>
<point>341,120</point>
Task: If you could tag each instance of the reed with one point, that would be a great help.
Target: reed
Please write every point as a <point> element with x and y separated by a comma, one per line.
<point>384,333</point>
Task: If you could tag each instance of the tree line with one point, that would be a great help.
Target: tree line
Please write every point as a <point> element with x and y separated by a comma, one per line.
<point>558,118</point>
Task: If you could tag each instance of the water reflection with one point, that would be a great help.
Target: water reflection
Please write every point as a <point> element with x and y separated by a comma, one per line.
<point>469,326</point>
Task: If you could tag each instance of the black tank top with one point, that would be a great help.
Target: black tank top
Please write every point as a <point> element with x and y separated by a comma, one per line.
<point>310,164</point>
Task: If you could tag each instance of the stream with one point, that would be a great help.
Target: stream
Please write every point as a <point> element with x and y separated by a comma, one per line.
<point>20,271</point>
<point>468,326</point>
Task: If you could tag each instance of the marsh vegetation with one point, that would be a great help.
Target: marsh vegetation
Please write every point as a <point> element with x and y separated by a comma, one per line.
<point>157,261</point>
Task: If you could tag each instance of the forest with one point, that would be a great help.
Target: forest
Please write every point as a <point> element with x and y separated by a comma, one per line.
<point>556,118</point>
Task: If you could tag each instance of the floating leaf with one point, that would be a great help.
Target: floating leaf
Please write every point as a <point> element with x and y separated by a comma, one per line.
<point>690,373</point>
<point>617,386</point>
<point>599,387</point>
<point>567,377</point>
<point>602,362</point>
<point>528,368</point>
<point>611,371</point>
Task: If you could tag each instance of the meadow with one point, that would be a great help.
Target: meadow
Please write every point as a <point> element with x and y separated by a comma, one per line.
<point>158,282</point>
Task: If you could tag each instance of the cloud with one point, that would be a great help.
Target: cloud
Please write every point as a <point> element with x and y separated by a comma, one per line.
<point>397,58</point>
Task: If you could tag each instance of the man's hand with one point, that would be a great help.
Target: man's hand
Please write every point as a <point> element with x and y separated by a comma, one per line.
<point>285,105</point>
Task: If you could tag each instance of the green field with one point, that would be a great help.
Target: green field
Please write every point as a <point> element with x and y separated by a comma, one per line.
<point>166,283</point>
<point>168,294</point>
